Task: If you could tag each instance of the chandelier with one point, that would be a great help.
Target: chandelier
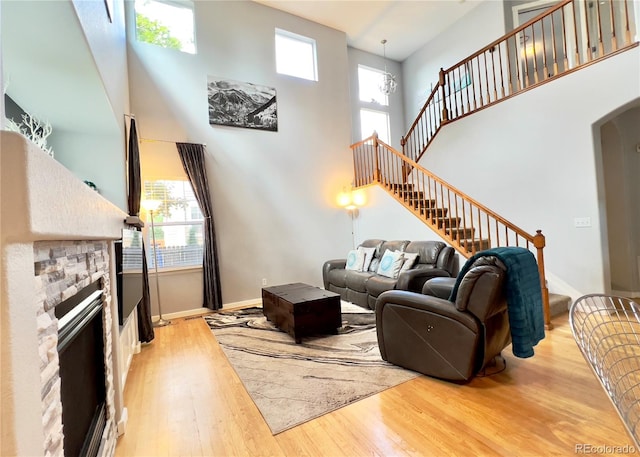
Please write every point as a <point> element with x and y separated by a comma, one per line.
<point>388,84</point>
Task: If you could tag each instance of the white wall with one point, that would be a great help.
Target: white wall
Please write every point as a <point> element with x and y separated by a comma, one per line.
<point>478,28</point>
<point>98,158</point>
<point>532,159</point>
<point>273,193</point>
<point>102,160</point>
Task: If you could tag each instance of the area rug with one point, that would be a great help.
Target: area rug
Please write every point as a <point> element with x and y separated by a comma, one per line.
<point>293,383</point>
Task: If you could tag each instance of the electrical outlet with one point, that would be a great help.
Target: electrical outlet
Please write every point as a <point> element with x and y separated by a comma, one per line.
<point>264,281</point>
<point>582,222</point>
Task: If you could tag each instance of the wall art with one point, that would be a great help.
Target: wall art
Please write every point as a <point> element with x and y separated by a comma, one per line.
<point>240,104</point>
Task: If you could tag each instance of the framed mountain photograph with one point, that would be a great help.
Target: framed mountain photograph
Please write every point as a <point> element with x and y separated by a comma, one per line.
<point>240,104</point>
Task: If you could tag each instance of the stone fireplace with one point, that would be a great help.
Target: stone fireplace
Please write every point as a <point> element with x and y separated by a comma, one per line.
<point>57,238</point>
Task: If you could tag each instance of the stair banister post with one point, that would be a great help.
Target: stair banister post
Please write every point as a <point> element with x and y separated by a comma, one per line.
<point>539,243</point>
<point>445,112</point>
<point>377,152</point>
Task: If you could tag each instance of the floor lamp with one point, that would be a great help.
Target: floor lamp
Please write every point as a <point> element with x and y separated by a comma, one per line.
<point>151,206</point>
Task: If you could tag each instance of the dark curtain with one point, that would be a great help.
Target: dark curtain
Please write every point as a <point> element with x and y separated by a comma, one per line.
<point>145,326</point>
<point>192,157</point>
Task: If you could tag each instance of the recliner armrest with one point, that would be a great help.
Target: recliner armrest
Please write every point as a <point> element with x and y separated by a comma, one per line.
<point>439,287</point>
<point>436,305</point>
<point>413,279</point>
<point>331,265</point>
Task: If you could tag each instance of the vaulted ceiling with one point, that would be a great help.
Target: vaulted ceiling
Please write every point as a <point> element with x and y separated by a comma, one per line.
<point>406,25</point>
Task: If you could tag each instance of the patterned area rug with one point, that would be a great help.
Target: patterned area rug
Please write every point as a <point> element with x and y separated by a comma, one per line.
<point>294,383</point>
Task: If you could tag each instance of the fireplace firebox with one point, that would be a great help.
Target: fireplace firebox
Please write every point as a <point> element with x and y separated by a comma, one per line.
<point>82,371</point>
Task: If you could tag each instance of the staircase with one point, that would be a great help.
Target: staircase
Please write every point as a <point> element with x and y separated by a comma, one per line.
<point>581,33</point>
<point>577,33</point>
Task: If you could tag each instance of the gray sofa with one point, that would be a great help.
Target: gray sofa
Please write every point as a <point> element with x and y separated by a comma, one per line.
<point>434,259</point>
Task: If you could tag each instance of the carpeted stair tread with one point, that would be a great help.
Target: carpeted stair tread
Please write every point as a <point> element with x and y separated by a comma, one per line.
<point>558,304</point>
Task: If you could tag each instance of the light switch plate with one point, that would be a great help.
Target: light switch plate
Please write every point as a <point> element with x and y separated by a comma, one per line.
<point>582,222</point>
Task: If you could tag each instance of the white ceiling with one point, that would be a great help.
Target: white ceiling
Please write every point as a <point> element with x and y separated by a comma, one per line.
<point>406,25</point>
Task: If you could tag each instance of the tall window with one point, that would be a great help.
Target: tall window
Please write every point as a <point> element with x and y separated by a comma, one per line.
<point>296,55</point>
<point>178,225</point>
<point>166,23</point>
<point>374,105</point>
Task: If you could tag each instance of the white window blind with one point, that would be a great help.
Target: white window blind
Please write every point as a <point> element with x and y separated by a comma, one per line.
<point>178,225</point>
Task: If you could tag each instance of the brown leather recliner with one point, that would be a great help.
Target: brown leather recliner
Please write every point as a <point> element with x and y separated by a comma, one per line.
<point>444,339</point>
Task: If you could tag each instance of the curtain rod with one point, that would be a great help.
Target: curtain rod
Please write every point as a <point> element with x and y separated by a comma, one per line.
<point>153,140</point>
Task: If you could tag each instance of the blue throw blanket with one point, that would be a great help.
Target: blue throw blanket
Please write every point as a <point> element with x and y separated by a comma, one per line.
<point>523,293</point>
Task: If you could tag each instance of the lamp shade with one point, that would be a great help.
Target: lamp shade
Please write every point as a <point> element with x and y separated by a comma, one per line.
<point>150,205</point>
<point>344,199</point>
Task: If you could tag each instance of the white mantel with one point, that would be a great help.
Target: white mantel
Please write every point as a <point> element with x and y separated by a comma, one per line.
<point>39,200</point>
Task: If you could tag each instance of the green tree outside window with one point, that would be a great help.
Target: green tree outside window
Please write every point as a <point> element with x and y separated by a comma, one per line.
<point>150,31</point>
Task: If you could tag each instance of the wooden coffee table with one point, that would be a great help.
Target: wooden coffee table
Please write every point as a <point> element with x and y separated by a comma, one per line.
<point>301,310</point>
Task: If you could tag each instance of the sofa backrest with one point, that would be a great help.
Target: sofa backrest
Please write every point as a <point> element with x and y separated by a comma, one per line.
<point>373,243</point>
<point>435,254</point>
<point>481,290</point>
<point>396,245</point>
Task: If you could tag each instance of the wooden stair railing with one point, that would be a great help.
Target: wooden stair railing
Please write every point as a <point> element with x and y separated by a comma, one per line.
<point>578,33</point>
<point>464,223</point>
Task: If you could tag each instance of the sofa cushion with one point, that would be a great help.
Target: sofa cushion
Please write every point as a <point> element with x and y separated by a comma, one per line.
<point>356,280</point>
<point>378,284</point>
<point>390,264</point>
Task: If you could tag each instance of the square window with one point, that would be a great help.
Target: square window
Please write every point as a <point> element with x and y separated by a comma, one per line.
<point>166,23</point>
<point>378,121</point>
<point>369,82</point>
<point>296,55</point>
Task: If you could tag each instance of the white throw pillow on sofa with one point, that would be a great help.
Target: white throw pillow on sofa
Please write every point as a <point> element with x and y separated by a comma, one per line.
<point>353,262</point>
<point>359,259</point>
<point>390,264</point>
<point>368,257</point>
<point>409,261</point>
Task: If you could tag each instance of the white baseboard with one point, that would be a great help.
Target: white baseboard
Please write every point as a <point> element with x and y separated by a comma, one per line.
<point>626,293</point>
<point>201,311</point>
<point>243,304</point>
<point>558,286</point>
<point>122,423</point>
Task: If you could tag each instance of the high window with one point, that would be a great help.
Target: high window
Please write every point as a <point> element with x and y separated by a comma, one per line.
<point>374,105</point>
<point>166,23</point>
<point>372,120</point>
<point>178,225</point>
<point>296,55</point>
<point>369,82</point>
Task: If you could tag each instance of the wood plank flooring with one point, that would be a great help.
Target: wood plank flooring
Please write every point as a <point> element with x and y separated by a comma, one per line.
<point>184,399</point>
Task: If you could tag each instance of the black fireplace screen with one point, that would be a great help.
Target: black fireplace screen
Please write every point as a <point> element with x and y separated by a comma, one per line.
<point>82,371</point>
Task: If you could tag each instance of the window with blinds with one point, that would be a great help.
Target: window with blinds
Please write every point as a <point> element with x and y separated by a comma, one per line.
<point>177,225</point>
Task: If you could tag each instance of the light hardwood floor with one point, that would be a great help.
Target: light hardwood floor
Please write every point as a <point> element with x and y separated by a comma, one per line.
<point>184,399</point>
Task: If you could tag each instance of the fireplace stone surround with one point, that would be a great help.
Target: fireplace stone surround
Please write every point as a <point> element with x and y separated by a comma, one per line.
<point>56,237</point>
